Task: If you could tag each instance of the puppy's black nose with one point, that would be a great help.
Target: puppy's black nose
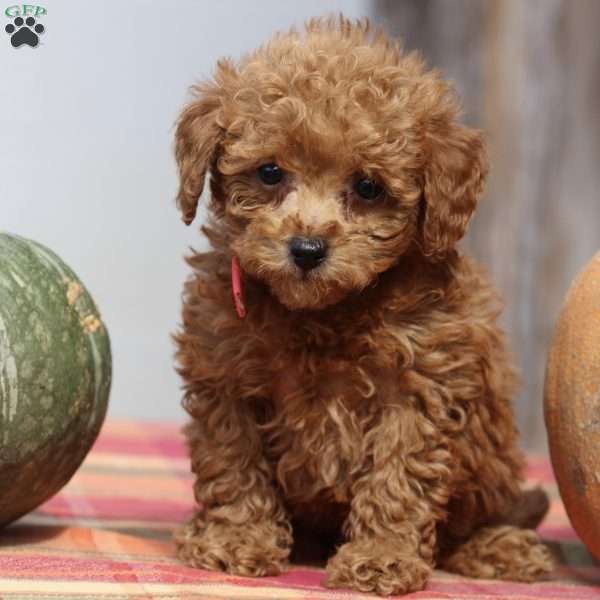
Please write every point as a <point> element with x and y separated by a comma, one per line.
<point>308,252</point>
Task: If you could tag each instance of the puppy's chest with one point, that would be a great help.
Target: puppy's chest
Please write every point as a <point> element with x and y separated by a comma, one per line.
<point>323,404</point>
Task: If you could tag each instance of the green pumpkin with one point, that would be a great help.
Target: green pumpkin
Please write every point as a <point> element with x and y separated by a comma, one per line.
<point>55,373</point>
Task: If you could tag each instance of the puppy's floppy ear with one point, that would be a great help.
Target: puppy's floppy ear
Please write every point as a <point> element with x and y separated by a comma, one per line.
<point>196,140</point>
<point>454,180</point>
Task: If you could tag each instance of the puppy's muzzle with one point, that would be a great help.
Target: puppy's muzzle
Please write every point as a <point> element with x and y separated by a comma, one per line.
<point>308,253</point>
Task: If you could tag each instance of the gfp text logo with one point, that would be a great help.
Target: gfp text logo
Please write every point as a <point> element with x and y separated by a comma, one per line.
<point>24,29</point>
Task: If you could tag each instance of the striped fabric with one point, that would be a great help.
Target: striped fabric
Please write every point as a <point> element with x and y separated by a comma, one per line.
<point>108,535</point>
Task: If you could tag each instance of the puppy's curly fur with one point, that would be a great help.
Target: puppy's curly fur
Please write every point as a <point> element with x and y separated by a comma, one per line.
<point>366,401</point>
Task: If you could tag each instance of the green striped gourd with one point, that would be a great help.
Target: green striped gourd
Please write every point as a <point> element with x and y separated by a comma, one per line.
<point>55,373</point>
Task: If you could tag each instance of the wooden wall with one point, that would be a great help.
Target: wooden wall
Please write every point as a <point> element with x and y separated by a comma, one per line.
<point>529,75</point>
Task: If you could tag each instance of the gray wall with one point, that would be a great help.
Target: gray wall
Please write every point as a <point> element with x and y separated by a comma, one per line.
<point>86,125</point>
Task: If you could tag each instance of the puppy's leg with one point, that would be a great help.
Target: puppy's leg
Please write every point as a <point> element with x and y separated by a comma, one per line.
<point>241,526</point>
<point>501,552</point>
<point>391,529</point>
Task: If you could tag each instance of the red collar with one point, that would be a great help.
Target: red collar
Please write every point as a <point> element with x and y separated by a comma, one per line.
<point>237,287</point>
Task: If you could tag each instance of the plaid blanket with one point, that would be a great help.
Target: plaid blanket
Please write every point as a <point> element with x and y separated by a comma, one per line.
<point>108,535</point>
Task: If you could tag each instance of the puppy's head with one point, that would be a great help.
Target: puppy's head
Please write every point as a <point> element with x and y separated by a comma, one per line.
<point>331,155</point>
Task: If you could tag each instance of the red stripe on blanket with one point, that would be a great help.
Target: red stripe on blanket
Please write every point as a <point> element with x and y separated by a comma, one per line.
<point>118,508</point>
<point>70,569</point>
<point>540,471</point>
<point>565,533</point>
<point>168,446</point>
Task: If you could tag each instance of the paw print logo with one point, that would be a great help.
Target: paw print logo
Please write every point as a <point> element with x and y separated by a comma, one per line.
<point>24,32</point>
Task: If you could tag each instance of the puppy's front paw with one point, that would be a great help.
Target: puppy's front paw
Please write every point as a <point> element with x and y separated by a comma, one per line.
<point>254,549</point>
<point>376,566</point>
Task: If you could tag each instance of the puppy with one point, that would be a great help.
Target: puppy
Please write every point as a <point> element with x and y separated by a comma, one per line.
<point>362,389</point>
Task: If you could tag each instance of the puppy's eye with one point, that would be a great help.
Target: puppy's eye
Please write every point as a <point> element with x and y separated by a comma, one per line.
<point>368,189</point>
<point>270,174</point>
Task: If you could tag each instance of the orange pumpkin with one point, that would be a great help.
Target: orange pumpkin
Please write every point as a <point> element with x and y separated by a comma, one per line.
<point>572,404</point>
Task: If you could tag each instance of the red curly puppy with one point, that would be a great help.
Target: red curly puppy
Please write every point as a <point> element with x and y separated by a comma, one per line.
<point>366,395</point>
